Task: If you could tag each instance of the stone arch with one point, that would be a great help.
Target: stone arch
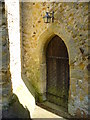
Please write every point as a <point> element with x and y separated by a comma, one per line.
<point>43,40</point>
<point>60,31</point>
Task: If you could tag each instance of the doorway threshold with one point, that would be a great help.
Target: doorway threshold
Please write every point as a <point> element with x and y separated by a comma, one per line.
<point>58,110</point>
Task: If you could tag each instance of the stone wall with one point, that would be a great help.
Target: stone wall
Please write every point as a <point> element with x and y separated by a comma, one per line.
<point>10,107</point>
<point>20,89</point>
<point>5,78</point>
<point>71,24</point>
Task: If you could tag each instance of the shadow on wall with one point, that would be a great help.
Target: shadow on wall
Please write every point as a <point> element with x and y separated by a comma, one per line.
<point>16,110</point>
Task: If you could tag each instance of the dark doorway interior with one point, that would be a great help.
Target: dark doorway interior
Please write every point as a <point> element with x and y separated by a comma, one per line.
<point>57,61</point>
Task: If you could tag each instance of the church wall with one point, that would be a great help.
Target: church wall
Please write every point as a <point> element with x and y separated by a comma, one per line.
<point>71,24</point>
<point>5,77</point>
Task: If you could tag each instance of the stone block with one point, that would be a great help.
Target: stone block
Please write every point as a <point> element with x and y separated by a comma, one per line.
<point>78,74</point>
<point>78,113</point>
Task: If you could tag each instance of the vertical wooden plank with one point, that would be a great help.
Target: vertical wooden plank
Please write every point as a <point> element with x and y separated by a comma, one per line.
<point>57,72</point>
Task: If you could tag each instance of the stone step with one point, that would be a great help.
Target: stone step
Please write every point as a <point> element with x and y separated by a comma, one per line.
<point>58,110</point>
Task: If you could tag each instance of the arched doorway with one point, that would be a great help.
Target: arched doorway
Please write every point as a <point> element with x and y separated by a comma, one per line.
<point>57,61</point>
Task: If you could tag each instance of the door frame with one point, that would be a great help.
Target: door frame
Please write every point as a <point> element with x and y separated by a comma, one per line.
<point>43,40</point>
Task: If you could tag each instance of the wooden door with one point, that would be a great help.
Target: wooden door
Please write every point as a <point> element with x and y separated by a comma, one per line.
<point>57,72</point>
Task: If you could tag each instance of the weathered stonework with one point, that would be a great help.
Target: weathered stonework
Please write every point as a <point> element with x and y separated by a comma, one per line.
<point>71,25</point>
<point>19,88</point>
<point>10,106</point>
<point>5,77</point>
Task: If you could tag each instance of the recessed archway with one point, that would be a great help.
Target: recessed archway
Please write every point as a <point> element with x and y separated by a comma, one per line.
<point>57,64</point>
<point>44,40</point>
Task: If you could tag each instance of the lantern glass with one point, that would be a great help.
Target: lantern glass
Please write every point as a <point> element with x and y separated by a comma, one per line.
<point>48,20</point>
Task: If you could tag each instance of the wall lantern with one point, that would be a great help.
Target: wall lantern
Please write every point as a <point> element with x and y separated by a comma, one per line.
<point>49,17</point>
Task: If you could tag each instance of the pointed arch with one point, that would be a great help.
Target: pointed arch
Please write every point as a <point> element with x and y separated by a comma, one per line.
<point>43,40</point>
